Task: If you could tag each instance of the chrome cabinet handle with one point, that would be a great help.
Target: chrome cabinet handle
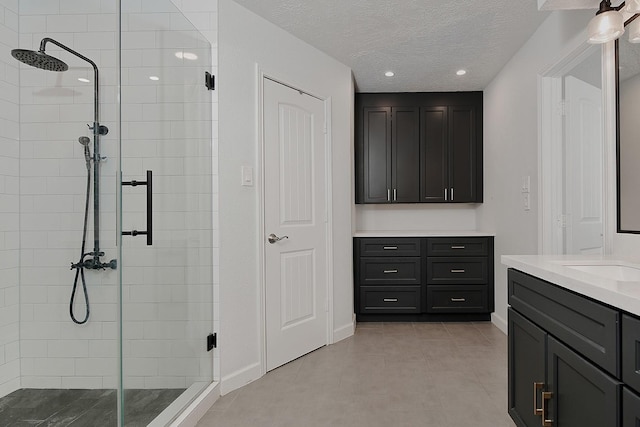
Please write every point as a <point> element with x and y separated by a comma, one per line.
<point>388,195</point>
<point>390,248</point>
<point>395,195</point>
<point>272,238</point>
<point>457,247</point>
<point>445,194</point>
<point>458,299</point>
<point>390,300</point>
<point>390,271</point>
<point>457,271</point>
<point>452,194</point>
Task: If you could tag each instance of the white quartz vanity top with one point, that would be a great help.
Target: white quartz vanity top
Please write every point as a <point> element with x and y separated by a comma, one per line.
<point>420,233</point>
<point>573,272</point>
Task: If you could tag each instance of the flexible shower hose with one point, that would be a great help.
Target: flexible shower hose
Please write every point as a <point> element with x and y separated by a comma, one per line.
<point>80,265</point>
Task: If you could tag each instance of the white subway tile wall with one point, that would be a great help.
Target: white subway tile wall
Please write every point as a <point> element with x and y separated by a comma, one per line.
<point>9,200</point>
<point>166,128</point>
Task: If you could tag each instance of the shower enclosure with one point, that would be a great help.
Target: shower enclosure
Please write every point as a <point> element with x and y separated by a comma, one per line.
<point>141,356</point>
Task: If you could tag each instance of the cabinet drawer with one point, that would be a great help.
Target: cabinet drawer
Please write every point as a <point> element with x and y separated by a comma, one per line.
<point>389,299</point>
<point>381,271</point>
<point>589,327</point>
<point>457,246</point>
<point>457,270</point>
<point>390,247</point>
<point>457,299</point>
<point>631,351</point>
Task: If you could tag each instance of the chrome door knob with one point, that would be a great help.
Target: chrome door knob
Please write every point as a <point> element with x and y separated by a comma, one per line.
<point>273,238</point>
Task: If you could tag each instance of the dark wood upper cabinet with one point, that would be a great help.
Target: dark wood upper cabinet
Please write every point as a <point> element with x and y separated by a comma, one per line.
<point>405,155</point>
<point>419,147</point>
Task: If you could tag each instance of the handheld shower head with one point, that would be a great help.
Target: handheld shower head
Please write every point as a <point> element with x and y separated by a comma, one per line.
<point>39,60</point>
<point>84,140</point>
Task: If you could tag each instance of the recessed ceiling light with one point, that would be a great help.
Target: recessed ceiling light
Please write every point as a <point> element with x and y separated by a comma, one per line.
<point>154,78</point>
<point>389,74</point>
<point>461,72</point>
<point>83,80</point>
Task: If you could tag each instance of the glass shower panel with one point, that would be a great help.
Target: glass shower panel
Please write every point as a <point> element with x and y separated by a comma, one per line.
<point>166,172</point>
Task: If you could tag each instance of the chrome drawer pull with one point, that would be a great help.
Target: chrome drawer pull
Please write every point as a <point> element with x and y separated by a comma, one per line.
<point>457,271</point>
<point>390,300</point>
<point>458,299</point>
<point>457,247</point>
<point>390,248</point>
<point>390,271</point>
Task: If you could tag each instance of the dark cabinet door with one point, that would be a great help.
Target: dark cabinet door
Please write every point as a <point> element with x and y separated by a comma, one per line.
<point>582,394</point>
<point>376,166</point>
<point>630,409</point>
<point>527,351</point>
<point>631,351</point>
<point>405,155</point>
<point>462,154</point>
<point>433,154</point>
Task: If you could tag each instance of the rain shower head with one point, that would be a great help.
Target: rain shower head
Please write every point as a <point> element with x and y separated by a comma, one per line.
<point>39,60</point>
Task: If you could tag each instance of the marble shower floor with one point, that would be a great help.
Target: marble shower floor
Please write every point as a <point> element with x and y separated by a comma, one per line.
<point>81,407</point>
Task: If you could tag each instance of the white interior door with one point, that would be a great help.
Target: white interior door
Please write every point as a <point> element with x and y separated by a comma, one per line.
<point>295,212</point>
<point>584,163</point>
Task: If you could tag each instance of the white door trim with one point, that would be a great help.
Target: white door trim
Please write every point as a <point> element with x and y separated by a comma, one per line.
<point>262,74</point>
<point>550,142</point>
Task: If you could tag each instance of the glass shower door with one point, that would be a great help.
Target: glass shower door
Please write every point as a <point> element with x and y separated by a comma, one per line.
<point>165,212</point>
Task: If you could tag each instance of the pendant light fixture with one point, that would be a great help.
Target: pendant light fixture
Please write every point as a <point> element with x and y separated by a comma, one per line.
<point>607,25</point>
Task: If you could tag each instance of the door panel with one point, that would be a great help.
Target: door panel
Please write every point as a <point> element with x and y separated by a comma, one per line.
<point>295,206</point>
<point>583,199</point>
<point>433,154</point>
<point>377,155</point>
<point>462,154</point>
<point>527,349</point>
<point>405,155</point>
<point>583,395</point>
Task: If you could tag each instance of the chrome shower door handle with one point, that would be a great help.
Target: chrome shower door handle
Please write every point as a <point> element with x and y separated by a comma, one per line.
<point>272,238</point>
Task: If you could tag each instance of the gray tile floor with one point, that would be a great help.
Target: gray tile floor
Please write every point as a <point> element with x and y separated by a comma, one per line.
<point>387,374</point>
<point>82,408</point>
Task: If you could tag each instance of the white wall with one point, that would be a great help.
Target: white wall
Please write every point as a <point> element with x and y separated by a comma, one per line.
<point>244,41</point>
<point>511,143</point>
<point>9,199</point>
<point>431,217</point>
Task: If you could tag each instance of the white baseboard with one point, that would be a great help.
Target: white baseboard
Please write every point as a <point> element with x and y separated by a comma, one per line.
<point>199,407</point>
<point>500,323</point>
<point>240,378</point>
<point>344,331</point>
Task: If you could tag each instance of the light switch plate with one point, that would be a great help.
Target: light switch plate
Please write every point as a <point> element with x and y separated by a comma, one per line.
<point>247,176</point>
<point>526,184</point>
<point>526,201</point>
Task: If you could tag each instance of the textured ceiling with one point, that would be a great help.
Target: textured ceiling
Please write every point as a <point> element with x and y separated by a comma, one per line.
<point>423,41</point>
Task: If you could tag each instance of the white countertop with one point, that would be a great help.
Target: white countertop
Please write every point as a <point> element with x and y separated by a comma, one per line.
<point>555,269</point>
<point>421,233</point>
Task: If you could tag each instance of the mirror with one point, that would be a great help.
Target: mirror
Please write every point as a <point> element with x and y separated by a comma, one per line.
<point>628,134</point>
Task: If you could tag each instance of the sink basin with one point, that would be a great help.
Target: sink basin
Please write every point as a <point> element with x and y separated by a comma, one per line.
<point>621,273</point>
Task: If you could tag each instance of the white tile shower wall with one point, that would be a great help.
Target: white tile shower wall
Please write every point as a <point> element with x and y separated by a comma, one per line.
<point>166,321</point>
<point>9,201</point>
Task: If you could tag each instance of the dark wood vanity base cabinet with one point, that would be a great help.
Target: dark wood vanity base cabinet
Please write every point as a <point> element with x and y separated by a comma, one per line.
<point>423,278</point>
<point>419,147</point>
<point>573,361</point>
